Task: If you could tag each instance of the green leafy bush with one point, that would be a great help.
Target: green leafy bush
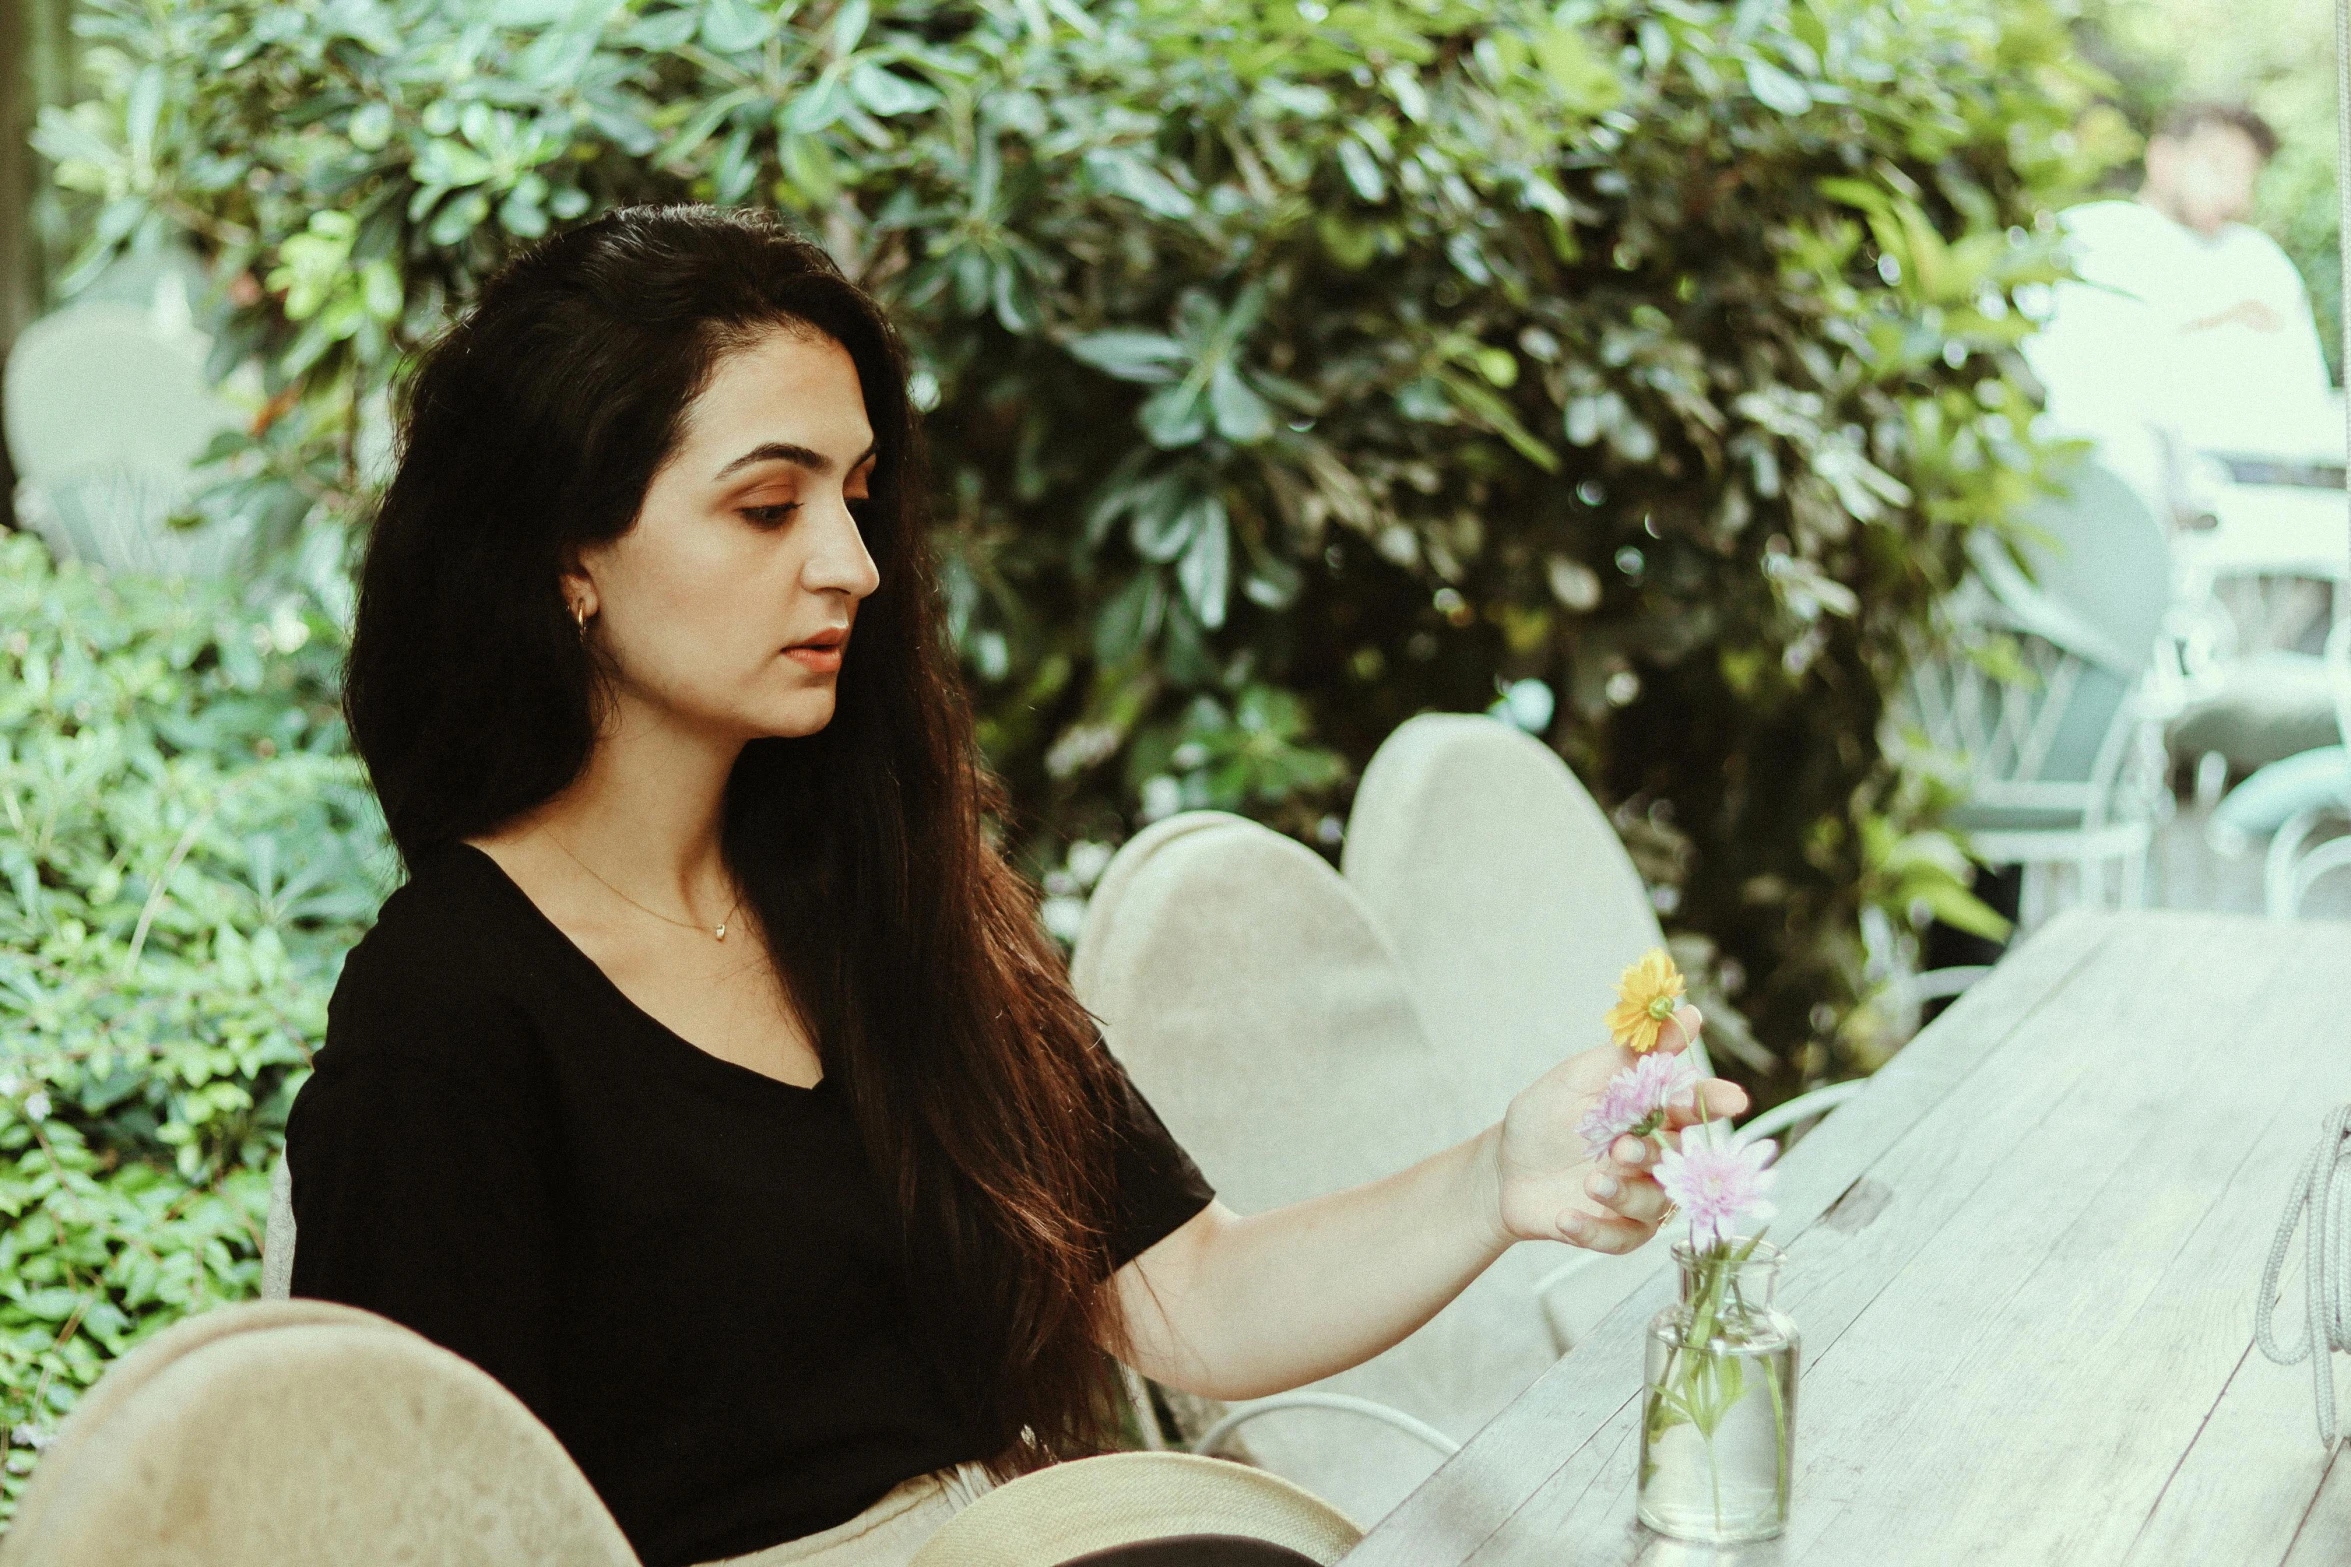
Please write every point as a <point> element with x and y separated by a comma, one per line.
<point>186,850</point>
<point>1290,369</point>
<point>1347,360</point>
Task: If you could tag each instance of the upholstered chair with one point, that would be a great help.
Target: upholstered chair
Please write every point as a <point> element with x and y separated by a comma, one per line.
<point>303,1433</point>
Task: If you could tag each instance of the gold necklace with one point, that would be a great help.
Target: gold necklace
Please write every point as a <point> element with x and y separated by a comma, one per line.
<point>720,932</point>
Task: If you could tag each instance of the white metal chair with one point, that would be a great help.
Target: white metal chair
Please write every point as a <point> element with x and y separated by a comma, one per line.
<point>106,410</point>
<point>2292,865</point>
<point>2063,766</point>
<point>2245,690</point>
<point>1513,907</point>
<point>277,1240</point>
<point>1260,1009</point>
<point>305,1434</point>
<point>2333,855</point>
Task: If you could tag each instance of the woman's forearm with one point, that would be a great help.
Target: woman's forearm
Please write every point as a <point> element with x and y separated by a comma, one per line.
<point>1234,1306</point>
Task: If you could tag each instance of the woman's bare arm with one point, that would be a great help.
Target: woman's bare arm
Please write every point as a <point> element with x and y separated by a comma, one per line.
<point>1236,1306</point>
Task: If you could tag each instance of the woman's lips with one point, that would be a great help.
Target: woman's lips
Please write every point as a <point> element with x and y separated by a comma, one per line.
<point>820,654</point>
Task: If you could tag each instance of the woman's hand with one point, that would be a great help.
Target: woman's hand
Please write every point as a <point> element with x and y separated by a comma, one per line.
<point>1234,1306</point>
<point>1548,1186</point>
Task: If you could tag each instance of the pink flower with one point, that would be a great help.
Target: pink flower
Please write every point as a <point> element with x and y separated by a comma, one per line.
<point>1719,1187</point>
<point>1634,1101</point>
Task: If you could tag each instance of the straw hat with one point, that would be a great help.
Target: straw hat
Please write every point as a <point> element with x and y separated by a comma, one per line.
<point>1092,1504</point>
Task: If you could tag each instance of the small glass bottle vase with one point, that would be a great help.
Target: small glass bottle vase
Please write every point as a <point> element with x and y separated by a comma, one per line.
<point>1718,1413</point>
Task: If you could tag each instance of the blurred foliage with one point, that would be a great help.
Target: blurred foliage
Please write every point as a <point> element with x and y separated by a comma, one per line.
<point>186,849</point>
<point>1291,368</point>
<point>2278,56</point>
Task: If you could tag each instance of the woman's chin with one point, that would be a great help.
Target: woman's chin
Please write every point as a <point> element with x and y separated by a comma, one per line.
<point>804,712</point>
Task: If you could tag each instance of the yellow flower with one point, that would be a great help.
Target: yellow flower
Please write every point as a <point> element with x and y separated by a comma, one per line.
<point>1647,994</point>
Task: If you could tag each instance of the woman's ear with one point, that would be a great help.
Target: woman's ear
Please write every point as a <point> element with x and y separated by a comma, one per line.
<point>578,588</point>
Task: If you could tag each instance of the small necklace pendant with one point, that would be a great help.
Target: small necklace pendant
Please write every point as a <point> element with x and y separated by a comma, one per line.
<point>720,933</point>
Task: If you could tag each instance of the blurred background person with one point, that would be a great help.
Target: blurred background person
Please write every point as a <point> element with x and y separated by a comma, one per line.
<point>2189,331</point>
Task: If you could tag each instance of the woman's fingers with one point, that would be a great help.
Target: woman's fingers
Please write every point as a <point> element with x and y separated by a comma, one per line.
<point>1722,1100</point>
<point>1628,1193</point>
<point>1675,1035</point>
<point>1610,1234</point>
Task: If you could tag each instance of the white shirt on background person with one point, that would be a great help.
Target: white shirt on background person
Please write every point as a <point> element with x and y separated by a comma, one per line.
<point>2211,337</point>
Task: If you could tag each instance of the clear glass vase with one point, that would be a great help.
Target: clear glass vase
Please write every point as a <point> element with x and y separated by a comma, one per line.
<point>1718,1413</point>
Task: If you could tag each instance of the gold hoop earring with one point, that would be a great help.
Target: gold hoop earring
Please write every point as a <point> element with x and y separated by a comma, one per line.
<point>579,615</point>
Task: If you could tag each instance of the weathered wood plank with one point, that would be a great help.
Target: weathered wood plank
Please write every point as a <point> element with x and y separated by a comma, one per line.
<point>1970,1165</point>
<point>2024,1389</point>
<point>1545,1431</point>
<point>2241,1489</point>
<point>2323,1539</point>
<point>2026,1324</point>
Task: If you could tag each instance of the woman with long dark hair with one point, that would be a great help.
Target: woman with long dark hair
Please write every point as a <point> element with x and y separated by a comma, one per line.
<point>709,1082</point>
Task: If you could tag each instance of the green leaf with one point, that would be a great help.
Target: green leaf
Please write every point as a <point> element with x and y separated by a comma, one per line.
<point>1961,909</point>
<point>1497,416</point>
<point>735,169</point>
<point>1167,519</point>
<point>809,166</point>
<point>1016,300</point>
<point>734,26</point>
<point>1351,245</point>
<point>381,290</point>
<point>1241,415</point>
<point>1856,193</point>
<point>532,13</point>
<point>815,107</point>
<point>664,32</point>
<point>1362,170</point>
<point>1205,571</point>
<point>1776,89</point>
<point>144,113</point>
<point>849,24</point>
<point>371,127</point>
<point>704,123</point>
<point>459,218</point>
<point>887,93</point>
<point>1175,416</point>
<point>1130,619</point>
<point>451,164</point>
<point>1150,357</point>
<point>1120,172</point>
<point>1584,80</point>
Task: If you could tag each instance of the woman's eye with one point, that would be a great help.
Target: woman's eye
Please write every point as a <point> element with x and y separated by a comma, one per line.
<point>771,516</point>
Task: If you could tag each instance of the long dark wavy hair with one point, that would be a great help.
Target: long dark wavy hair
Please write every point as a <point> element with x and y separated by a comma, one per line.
<point>534,424</point>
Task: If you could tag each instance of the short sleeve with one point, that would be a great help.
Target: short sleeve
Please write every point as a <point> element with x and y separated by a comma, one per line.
<point>424,1157</point>
<point>1159,1187</point>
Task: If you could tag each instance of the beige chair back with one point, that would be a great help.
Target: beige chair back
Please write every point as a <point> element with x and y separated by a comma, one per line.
<point>1118,1499</point>
<point>277,1241</point>
<point>305,1434</point>
<point>1507,895</point>
<point>1259,1008</point>
<point>1513,906</point>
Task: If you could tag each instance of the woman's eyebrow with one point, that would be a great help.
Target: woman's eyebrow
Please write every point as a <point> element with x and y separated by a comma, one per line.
<point>784,451</point>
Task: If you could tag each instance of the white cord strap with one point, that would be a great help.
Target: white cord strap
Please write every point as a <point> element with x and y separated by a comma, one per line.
<point>2326,1324</point>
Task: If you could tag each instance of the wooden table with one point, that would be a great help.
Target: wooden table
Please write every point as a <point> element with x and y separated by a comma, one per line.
<point>2024,1264</point>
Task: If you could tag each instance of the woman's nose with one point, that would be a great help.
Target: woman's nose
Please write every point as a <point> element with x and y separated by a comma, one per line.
<point>839,561</point>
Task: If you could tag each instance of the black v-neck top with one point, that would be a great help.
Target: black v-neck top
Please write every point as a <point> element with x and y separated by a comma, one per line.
<point>684,1267</point>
